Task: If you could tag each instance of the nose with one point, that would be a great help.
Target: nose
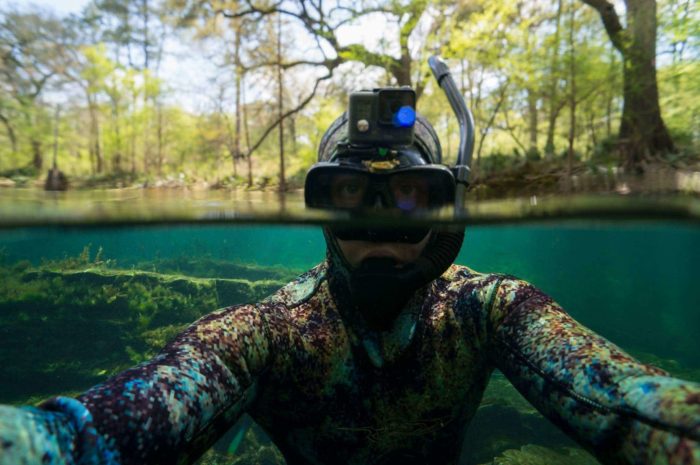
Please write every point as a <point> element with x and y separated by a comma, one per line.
<point>382,200</point>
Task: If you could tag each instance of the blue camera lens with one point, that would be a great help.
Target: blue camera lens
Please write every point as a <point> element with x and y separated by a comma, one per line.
<point>405,117</point>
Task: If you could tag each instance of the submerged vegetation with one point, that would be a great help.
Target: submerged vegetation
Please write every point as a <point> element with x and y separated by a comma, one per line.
<point>83,318</point>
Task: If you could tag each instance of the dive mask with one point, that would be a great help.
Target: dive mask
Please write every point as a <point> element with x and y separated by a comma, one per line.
<point>367,181</point>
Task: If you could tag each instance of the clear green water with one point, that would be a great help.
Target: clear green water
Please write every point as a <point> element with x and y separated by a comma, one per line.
<point>635,283</point>
<point>66,324</point>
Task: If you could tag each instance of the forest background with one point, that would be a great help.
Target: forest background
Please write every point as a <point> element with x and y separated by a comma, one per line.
<point>238,94</point>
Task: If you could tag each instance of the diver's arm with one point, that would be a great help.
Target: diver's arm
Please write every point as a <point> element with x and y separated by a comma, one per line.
<point>621,410</point>
<point>168,410</point>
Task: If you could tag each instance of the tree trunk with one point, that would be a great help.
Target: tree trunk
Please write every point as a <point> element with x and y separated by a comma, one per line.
<point>132,145</point>
<point>293,133</point>
<point>146,127</point>
<point>95,135</point>
<point>37,158</point>
<point>572,94</point>
<point>55,137</point>
<point>10,132</point>
<point>554,106</point>
<point>532,89</point>
<point>159,134</point>
<point>145,11</point>
<point>610,95</point>
<point>237,63</point>
<point>117,157</point>
<point>532,119</point>
<point>487,127</point>
<point>591,127</point>
<point>247,136</point>
<point>280,95</point>
<point>642,130</point>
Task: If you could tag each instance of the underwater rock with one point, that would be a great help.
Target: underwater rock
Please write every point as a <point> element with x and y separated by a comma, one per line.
<point>538,455</point>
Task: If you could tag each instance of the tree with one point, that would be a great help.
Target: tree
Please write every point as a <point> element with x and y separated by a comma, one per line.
<point>31,57</point>
<point>280,102</point>
<point>322,23</point>
<point>642,130</point>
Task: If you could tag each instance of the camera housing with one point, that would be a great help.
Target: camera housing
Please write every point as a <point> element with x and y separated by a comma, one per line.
<point>382,117</point>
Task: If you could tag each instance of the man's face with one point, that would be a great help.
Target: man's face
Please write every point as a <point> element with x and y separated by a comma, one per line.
<point>357,251</point>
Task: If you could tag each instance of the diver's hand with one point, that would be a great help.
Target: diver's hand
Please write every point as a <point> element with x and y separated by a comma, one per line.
<point>60,432</point>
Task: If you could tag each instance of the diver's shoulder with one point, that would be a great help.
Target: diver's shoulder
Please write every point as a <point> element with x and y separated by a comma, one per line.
<point>301,289</point>
<point>461,273</point>
<point>460,277</point>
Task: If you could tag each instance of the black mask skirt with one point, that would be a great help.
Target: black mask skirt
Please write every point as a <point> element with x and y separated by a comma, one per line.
<point>377,289</point>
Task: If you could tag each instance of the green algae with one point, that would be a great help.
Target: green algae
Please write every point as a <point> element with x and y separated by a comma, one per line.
<point>67,325</point>
<point>205,267</point>
<point>538,455</point>
<point>81,319</point>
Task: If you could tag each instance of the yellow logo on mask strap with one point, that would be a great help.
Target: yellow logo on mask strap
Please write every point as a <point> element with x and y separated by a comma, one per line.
<point>384,165</point>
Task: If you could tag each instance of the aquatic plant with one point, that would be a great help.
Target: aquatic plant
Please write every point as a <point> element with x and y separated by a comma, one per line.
<point>207,267</point>
<point>68,324</point>
<point>538,455</point>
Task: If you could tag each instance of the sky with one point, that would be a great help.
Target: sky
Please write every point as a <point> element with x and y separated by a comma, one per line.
<point>59,6</point>
<point>187,70</point>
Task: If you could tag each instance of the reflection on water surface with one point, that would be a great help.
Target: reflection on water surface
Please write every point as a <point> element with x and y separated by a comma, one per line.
<point>31,207</point>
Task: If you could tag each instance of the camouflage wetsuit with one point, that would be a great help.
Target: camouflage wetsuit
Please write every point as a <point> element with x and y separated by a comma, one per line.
<point>329,391</point>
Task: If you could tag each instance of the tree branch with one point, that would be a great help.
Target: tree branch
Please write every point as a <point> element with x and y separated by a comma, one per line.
<point>511,132</point>
<point>611,21</point>
<point>358,52</point>
<point>297,109</point>
<point>328,64</point>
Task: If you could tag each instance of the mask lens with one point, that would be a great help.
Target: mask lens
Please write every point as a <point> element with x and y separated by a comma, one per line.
<point>410,192</point>
<point>405,235</point>
<point>406,191</point>
<point>348,190</point>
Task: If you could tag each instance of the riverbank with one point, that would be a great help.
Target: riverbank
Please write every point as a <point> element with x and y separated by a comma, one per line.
<point>516,179</point>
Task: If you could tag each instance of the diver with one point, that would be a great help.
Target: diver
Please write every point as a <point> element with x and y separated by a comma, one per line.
<point>378,355</point>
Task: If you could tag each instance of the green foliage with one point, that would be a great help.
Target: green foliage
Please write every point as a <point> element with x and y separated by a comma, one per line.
<point>82,261</point>
<point>121,122</point>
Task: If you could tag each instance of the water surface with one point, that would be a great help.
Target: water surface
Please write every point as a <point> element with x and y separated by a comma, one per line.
<point>93,284</point>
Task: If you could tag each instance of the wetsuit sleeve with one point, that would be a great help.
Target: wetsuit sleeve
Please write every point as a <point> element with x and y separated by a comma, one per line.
<point>623,411</point>
<point>168,410</point>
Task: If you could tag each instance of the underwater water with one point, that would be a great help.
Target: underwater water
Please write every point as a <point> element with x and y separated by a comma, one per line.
<point>80,303</point>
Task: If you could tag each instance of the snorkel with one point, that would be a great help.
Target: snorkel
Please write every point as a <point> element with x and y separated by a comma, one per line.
<point>465,119</point>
